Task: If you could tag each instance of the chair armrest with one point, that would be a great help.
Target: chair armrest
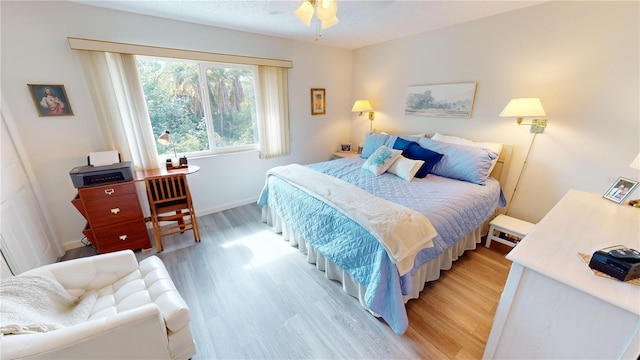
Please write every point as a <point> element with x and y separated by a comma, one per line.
<point>163,293</point>
<point>133,334</point>
<point>90,273</point>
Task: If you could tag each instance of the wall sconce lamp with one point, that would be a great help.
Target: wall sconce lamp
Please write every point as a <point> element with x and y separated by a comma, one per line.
<point>525,107</point>
<point>519,108</point>
<point>360,106</point>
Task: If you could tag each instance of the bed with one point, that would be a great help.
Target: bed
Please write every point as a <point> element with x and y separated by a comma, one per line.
<point>324,209</point>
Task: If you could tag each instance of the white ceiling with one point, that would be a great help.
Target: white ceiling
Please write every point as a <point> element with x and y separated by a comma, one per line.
<point>361,23</point>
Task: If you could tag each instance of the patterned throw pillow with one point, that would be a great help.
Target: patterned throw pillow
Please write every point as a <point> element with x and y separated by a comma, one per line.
<point>381,160</point>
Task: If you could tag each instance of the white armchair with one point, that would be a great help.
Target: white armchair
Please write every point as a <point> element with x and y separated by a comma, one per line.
<point>138,313</point>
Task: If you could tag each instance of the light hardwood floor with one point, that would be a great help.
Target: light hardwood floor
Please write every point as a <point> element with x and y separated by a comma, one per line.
<point>253,296</point>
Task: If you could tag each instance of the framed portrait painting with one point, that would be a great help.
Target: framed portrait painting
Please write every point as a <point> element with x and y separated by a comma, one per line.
<point>620,190</point>
<point>50,100</point>
<point>318,102</point>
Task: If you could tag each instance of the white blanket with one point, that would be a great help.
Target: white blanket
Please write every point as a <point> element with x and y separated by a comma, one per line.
<point>34,303</point>
<point>403,232</point>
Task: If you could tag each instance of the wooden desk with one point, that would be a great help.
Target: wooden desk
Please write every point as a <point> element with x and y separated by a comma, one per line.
<point>552,305</point>
<point>140,175</point>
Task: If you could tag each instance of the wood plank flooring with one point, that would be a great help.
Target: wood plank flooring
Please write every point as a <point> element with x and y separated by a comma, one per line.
<point>253,296</point>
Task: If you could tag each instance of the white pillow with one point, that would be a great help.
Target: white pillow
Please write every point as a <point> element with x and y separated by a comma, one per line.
<point>405,168</point>
<point>381,160</point>
<point>452,139</point>
<point>495,147</point>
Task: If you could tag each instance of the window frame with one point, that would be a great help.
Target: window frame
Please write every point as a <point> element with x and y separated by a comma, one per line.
<point>206,104</point>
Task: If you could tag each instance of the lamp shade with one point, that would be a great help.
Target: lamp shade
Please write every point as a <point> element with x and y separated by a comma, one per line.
<point>329,23</point>
<point>635,164</point>
<point>164,139</point>
<point>522,107</point>
<point>326,10</point>
<point>305,13</point>
<point>361,105</point>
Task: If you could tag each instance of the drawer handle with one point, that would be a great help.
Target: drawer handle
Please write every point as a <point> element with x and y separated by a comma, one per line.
<point>115,211</point>
<point>123,237</point>
<point>109,191</point>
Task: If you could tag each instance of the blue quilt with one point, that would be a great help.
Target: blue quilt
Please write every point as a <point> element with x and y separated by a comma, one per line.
<point>455,208</point>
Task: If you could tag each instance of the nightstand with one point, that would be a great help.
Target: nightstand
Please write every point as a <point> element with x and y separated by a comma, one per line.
<point>344,154</point>
<point>507,230</point>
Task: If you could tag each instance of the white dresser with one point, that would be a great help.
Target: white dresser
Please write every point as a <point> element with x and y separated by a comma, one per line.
<point>552,305</point>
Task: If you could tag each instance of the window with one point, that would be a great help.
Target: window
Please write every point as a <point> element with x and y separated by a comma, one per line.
<point>207,107</point>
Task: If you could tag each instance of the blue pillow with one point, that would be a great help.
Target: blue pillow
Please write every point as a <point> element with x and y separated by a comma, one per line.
<point>402,144</point>
<point>430,158</point>
<point>372,142</point>
<point>461,162</point>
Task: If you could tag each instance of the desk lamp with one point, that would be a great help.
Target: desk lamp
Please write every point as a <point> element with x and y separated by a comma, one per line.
<point>165,139</point>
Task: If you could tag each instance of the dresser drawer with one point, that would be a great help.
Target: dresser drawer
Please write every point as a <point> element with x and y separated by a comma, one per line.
<point>112,211</point>
<point>128,235</point>
<point>107,191</point>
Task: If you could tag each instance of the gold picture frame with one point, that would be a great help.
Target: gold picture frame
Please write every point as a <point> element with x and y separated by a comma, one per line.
<point>318,102</point>
<point>50,100</point>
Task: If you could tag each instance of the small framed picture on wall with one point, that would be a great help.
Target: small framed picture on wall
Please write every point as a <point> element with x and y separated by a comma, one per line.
<point>50,100</point>
<point>318,102</point>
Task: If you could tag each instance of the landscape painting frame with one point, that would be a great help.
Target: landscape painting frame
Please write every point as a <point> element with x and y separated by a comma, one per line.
<point>441,100</point>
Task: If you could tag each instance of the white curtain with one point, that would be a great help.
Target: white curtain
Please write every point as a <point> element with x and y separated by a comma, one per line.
<point>273,112</point>
<point>120,105</point>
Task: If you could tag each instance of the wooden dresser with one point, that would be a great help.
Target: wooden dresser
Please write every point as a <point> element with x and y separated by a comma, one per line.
<point>114,217</point>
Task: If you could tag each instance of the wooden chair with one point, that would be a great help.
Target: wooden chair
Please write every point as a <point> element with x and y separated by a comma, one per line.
<point>170,200</point>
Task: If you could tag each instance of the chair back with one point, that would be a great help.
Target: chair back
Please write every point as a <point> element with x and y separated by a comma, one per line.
<point>168,190</point>
<point>170,201</point>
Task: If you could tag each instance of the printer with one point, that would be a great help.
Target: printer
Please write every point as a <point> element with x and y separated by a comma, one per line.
<point>102,168</point>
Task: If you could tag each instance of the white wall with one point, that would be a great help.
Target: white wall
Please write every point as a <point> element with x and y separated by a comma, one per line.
<point>35,50</point>
<point>580,58</point>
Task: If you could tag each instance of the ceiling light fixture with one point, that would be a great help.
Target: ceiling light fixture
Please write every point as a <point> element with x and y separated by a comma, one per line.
<point>325,10</point>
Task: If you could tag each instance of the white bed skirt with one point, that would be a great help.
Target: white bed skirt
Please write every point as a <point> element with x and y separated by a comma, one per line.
<point>428,272</point>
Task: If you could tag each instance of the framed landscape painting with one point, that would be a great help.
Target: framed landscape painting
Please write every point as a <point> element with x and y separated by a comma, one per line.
<point>441,100</point>
<point>50,100</point>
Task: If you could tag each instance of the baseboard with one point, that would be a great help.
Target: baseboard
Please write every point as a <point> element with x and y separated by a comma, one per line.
<point>74,244</point>
<point>203,212</point>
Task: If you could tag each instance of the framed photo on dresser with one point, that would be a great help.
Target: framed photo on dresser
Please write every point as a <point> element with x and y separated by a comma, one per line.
<point>620,190</point>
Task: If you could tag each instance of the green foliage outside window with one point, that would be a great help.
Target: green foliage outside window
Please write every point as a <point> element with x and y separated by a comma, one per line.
<point>221,113</point>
